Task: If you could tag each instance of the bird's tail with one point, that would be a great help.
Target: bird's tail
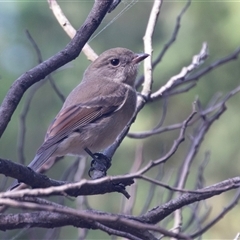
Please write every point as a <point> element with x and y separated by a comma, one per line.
<point>40,158</point>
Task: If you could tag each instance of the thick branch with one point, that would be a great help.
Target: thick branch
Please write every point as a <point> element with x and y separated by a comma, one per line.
<point>37,180</point>
<point>115,221</point>
<point>62,216</point>
<point>69,29</point>
<point>160,212</point>
<point>70,52</point>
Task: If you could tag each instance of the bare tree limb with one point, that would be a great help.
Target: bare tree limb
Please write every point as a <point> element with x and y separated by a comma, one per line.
<point>220,216</point>
<point>69,29</point>
<point>147,86</point>
<point>152,217</point>
<point>40,60</point>
<point>29,177</point>
<point>197,60</point>
<point>160,212</point>
<point>168,44</point>
<point>22,122</point>
<point>121,222</point>
<point>70,52</point>
<point>214,106</point>
<point>174,146</point>
<point>143,97</point>
<point>214,65</point>
<point>128,205</point>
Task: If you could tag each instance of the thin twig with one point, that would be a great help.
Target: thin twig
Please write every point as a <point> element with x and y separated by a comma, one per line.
<point>22,122</point>
<point>40,60</point>
<point>174,146</point>
<point>124,222</point>
<point>128,204</point>
<point>69,29</point>
<point>147,86</point>
<point>220,216</point>
<point>115,232</point>
<point>197,60</point>
<point>152,190</point>
<point>55,88</point>
<point>214,65</point>
<point>237,237</point>
<point>149,133</point>
<point>140,80</point>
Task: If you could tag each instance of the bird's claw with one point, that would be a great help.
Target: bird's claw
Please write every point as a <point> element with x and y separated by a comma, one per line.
<point>99,166</point>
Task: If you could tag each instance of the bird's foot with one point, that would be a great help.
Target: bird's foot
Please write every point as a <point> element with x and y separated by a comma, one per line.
<point>99,166</point>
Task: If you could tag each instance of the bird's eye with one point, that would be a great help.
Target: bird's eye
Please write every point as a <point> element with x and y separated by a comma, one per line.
<point>115,61</point>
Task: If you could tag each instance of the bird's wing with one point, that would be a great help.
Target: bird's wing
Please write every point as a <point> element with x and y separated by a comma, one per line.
<point>74,117</point>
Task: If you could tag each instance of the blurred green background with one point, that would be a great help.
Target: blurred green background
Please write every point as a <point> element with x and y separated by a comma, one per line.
<point>217,23</point>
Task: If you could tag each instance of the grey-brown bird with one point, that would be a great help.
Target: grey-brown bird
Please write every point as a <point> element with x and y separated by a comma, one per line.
<point>97,110</point>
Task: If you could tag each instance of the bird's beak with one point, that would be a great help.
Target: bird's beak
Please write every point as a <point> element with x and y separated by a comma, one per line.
<point>139,57</point>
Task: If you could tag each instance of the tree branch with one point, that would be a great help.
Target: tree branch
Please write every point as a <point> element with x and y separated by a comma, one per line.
<point>37,180</point>
<point>69,29</point>
<point>70,52</point>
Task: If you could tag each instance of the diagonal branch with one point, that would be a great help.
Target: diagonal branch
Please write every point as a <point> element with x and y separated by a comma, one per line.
<point>168,44</point>
<point>147,86</point>
<point>220,216</point>
<point>122,222</point>
<point>70,52</point>
<point>69,29</point>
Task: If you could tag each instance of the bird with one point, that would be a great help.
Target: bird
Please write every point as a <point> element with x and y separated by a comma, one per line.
<point>96,110</point>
